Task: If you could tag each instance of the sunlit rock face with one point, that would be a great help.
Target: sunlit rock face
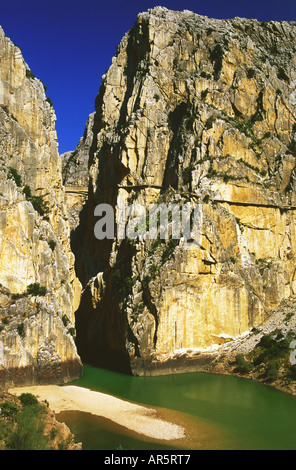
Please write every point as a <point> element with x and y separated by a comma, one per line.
<point>37,322</point>
<point>196,110</point>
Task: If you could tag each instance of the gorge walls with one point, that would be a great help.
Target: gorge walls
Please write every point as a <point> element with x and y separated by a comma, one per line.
<point>195,110</point>
<point>39,290</point>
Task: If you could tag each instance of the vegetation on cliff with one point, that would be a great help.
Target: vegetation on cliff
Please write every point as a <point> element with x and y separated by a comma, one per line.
<point>26,424</point>
<point>265,354</point>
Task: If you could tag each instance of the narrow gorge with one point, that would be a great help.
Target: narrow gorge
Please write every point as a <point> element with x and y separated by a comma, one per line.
<point>193,110</point>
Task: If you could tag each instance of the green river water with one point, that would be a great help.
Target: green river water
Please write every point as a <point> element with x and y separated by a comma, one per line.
<point>222,412</point>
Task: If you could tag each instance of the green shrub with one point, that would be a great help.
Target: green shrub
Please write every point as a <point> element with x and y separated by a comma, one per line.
<point>153,270</point>
<point>37,202</point>
<point>279,348</point>
<point>210,122</point>
<point>259,359</point>
<point>28,432</point>
<point>274,347</point>
<point>272,372</point>
<point>27,399</point>
<point>128,283</point>
<point>138,310</point>
<point>9,409</point>
<point>39,205</point>
<point>32,289</point>
<point>18,295</point>
<point>27,191</point>
<point>155,245</point>
<point>29,74</point>
<point>5,430</point>
<point>122,282</point>
<point>71,331</point>
<point>65,320</point>
<point>36,289</point>
<point>13,174</point>
<point>212,172</point>
<point>242,366</point>
<point>49,100</point>
<point>255,118</point>
<point>266,341</point>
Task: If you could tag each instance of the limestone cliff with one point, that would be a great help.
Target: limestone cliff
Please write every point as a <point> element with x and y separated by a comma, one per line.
<point>75,174</point>
<point>201,110</point>
<point>39,289</point>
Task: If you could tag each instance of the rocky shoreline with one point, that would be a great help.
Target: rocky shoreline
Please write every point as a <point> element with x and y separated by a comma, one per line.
<point>279,328</point>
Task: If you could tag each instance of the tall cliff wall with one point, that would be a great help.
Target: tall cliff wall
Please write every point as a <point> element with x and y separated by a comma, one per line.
<point>192,110</point>
<point>201,110</point>
<point>39,288</point>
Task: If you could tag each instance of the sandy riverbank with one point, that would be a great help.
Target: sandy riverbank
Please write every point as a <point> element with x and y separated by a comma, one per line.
<point>137,418</point>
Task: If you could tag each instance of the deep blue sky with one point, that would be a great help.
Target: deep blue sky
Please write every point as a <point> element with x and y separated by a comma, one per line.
<point>69,44</point>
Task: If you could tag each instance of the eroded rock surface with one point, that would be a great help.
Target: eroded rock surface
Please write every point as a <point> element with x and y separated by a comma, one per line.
<point>196,110</point>
<point>39,288</point>
<point>192,110</point>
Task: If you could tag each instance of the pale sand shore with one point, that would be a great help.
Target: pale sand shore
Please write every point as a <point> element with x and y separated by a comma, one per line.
<point>134,417</point>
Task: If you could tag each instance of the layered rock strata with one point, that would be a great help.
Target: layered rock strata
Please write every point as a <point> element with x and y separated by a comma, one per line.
<point>39,288</point>
<point>195,110</point>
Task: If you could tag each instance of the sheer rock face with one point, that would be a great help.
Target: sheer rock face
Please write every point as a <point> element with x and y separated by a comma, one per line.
<point>201,110</point>
<point>34,234</point>
<point>75,174</point>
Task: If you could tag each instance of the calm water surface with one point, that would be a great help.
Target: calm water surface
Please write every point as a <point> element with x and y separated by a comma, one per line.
<point>241,414</point>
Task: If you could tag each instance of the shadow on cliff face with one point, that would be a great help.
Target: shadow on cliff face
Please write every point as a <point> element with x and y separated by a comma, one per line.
<point>99,324</point>
<point>175,119</point>
<point>101,327</point>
